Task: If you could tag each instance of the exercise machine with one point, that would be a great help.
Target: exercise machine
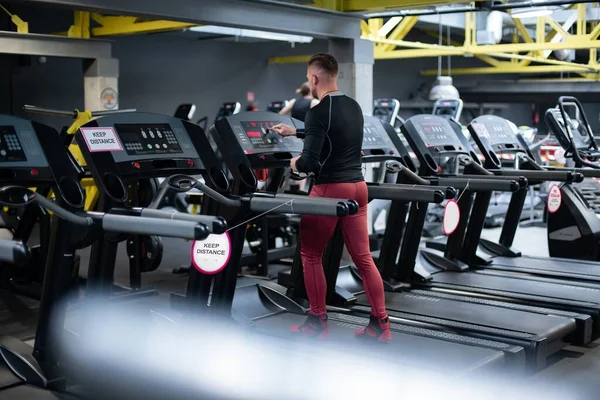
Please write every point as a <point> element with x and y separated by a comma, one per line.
<point>452,314</point>
<point>265,305</point>
<point>574,229</point>
<point>185,112</point>
<point>434,137</point>
<point>276,106</point>
<point>448,108</point>
<point>37,155</point>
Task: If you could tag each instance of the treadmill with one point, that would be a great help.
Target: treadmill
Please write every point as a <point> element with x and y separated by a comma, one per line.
<point>540,334</point>
<point>432,138</point>
<point>574,230</point>
<point>276,106</point>
<point>494,134</point>
<point>449,108</point>
<point>247,143</point>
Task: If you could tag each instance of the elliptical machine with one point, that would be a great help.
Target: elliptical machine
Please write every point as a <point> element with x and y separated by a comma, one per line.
<point>574,229</point>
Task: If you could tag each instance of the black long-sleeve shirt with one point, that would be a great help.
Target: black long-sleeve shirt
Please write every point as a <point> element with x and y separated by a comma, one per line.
<point>333,135</point>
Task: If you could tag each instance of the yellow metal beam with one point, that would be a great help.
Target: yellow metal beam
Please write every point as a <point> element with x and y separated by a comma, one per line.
<point>112,26</point>
<point>484,58</point>
<point>22,26</point>
<point>506,68</point>
<point>400,32</point>
<point>595,32</point>
<point>388,26</point>
<point>289,60</point>
<point>556,27</point>
<point>433,50</point>
<point>522,30</point>
<point>581,18</point>
<point>81,25</point>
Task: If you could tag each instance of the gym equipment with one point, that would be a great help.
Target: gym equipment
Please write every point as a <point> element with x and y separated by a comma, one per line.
<point>142,258</point>
<point>264,305</point>
<point>387,111</point>
<point>452,314</point>
<point>448,108</point>
<point>185,111</point>
<point>434,137</point>
<point>492,133</point>
<point>574,229</point>
<point>276,106</point>
<point>155,146</point>
<point>37,156</point>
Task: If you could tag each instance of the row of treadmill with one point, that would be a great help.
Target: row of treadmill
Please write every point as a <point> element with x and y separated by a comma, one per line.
<point>463,304</point>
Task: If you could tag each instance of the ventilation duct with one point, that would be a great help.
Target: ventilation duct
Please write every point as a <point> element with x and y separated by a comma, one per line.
<point>494,28</point>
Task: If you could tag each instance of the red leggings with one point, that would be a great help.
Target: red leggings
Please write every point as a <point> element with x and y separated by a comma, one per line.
<point>315,232</point>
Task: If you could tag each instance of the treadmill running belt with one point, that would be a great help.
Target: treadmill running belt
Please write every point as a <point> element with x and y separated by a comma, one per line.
<point>27,392</point>
<point>521,288</point>
<point>415,351</point>
<point>570,269</point>
<point>490,319</point>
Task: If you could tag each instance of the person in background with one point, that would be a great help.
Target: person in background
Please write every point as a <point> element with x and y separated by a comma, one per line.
<point>297,108</point>
<point>333,135</point>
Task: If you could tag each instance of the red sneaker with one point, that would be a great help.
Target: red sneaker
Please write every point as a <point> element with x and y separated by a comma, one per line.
<point>313,326</point>
<point>378,329</point>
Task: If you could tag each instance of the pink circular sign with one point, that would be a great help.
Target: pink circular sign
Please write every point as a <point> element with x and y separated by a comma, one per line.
<point>554,199</point>
<point>451,217</point>
<point>212,254</point>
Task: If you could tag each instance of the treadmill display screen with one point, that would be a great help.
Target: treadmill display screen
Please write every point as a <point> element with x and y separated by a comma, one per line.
<point>372,136</point>
<point>258,133</point>
<point>580,138</point>
<point>225,111</point>
<point>383,114</point>
<point>10,146</point>
<point>141,140</point>
<point>436,133</point>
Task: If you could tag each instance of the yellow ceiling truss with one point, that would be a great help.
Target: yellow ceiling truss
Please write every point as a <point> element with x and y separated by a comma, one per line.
<point>524,55</point>
<point>118,26</point>
<point>22,26</point>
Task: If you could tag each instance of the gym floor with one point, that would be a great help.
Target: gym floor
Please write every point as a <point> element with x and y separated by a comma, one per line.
<point>574,368</point>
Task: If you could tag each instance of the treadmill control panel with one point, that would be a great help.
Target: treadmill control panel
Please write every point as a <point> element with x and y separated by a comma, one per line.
<point>259,134</point>
<point>32,153</point>
<point>10,145</point>
<point>154,146</point>
<point>386,110</point>
<point>228,109</point>
<point>433,138</point>
<point>497,131</point>
<point>141,139</point>
<point>248,135</point>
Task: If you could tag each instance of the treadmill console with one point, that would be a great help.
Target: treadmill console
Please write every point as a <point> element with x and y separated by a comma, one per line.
<point>448,108</point>
<point>386,110</point>
<point>228,109</point>
<point>433,138</point>
<point>493,135</point>
<point>143,145</point>
<point>581,137</point>
<point>276,106</point>
<point>33,153</point>
<point>380,141</point>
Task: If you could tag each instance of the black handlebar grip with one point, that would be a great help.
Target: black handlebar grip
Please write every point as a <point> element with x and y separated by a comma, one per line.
<point>219,225</point>
<point>201,232</point>
<point>451,192</point>
<point>352,207</point>
<point>578,177</point>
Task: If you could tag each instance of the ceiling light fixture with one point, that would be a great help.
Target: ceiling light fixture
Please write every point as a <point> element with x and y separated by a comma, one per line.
<point>221,30</point>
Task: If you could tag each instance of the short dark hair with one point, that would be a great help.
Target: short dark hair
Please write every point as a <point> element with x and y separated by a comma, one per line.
<point>325,61</point>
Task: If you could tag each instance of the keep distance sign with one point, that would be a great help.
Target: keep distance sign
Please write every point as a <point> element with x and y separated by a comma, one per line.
<point>554,199</point>
<point>451,217</point>
<point>101,139</point>
<point>212,254</point>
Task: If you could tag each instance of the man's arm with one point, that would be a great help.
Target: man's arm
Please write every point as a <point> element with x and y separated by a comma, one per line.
<point>315,131</point>
<point>288,108</point>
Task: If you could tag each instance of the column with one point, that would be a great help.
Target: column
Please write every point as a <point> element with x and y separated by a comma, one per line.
<point>101,84</point>
<point>355,59</point>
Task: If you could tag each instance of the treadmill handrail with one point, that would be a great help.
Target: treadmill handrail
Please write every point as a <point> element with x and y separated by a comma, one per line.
<point>403,192</point>
<point>479,184</point>
<point>561,176</point>
<point>291,204</point>
<point>129,224</point>
<point>521,180</point>
<point>216,225</point>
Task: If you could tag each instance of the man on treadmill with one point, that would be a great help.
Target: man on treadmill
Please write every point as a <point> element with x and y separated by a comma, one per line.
<point>333,138</point>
